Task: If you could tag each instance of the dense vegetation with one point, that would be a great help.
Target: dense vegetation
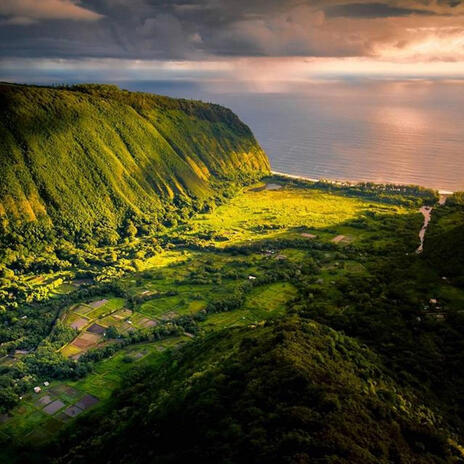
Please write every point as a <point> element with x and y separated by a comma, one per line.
<point>95,164</point>
<point>288,321</point>
<point>291,392</point>
<point>381,362</point>
<point>443,245</point>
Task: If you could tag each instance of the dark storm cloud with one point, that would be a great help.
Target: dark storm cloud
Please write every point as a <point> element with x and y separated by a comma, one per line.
<point>200,29</point>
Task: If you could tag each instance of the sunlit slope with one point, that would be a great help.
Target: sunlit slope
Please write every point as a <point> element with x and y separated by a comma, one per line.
<point>96,154</point>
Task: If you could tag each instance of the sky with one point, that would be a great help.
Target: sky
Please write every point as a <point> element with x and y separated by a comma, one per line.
<point>263,44</point>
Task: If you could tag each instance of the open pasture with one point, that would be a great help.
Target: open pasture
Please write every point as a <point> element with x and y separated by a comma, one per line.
<point>290,211</point>
<point>262,303</point>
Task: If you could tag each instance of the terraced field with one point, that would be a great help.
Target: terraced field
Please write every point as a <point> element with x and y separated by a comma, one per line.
<point>91,320</point>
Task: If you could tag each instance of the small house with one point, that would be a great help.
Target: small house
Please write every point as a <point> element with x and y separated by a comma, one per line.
<point>37,389</point>
<point>251,277</point>
<point>46,384</point>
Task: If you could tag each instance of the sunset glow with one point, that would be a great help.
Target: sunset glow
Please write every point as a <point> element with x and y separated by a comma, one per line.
<point>258,42</point>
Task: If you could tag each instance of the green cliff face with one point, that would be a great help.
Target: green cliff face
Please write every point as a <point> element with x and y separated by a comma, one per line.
<point>75,160</point>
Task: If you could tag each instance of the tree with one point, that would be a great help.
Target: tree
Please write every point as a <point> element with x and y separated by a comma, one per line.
<point>131,230</point>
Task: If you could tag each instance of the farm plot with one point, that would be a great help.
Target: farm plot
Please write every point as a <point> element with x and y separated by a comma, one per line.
<point>239,317</point>
<point>83,342</point>
<point>270,299</point>
<point>41,415</point>
<point>108,373</point>
<point>105,307</point>
<point>79,323</point>
<point>169,307</point>
<point>86,340</point>
<point>92,320</point>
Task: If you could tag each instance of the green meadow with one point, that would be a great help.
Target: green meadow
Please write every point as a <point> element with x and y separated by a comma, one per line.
<point>258,213</point>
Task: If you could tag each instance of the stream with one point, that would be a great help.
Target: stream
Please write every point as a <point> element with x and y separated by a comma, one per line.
<point>427,212</point>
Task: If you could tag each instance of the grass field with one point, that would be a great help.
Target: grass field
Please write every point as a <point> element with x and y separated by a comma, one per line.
<point>271,298</point>
<point>288,211</point>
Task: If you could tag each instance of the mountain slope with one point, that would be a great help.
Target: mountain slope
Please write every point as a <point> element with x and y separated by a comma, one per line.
<point>93,156</point>
<point>295,392</point>
<point>443,242</point>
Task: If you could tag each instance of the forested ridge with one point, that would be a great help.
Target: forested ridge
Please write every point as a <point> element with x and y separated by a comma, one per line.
<point>293,391</point>
<point>96,163</point>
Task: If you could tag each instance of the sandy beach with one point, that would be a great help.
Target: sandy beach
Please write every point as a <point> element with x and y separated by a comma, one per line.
<point>441,192</point>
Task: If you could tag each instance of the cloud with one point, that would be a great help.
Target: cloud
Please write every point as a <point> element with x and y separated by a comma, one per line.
<point>18,21</point>
<point>23,12</point>
<point>372,10</point>
<point>165,32</point>
<point>432,44</point>
<point>210,29</point>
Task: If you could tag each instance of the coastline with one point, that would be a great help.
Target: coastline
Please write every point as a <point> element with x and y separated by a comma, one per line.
<point>351,182</point>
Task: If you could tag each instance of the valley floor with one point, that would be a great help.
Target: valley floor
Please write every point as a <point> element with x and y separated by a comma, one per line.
<point>277,248</point>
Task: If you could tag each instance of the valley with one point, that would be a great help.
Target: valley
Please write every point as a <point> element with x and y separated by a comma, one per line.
<point>165,297</point>
<point>300,249</point>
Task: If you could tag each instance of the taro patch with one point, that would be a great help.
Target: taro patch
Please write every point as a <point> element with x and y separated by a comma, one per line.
<point>53,407</point>
<point>96,329</point>
<point>72,411</point>
<point>87,401</point>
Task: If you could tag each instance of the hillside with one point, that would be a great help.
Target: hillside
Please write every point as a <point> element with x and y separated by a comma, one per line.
<point>92,161</point>
<point>294,392</point>
<point>443,244</point>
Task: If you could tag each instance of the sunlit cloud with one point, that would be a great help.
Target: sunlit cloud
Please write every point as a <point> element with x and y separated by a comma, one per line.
<point>25,12</point>
<point>435,44</point>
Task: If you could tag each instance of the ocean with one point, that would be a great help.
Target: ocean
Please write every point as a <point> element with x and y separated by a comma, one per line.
<point>409,132</point>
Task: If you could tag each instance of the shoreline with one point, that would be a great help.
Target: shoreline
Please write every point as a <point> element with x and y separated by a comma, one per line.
<point>352,182</point>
